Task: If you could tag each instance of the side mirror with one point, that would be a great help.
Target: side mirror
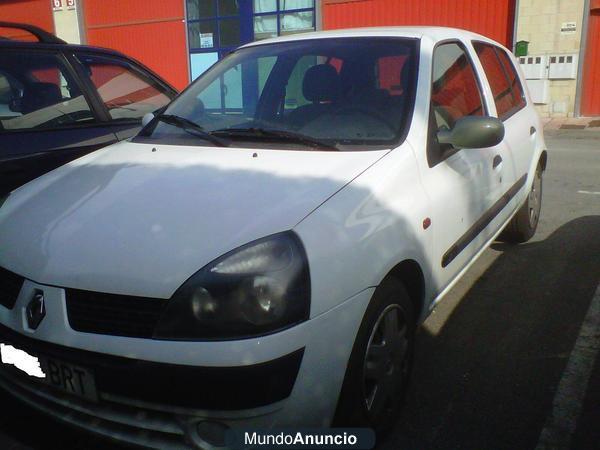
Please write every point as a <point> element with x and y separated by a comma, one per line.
<point>473,132</point>
<point>147,118</point>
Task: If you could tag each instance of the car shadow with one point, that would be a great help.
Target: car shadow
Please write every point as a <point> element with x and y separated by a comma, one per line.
<point>488,377</point>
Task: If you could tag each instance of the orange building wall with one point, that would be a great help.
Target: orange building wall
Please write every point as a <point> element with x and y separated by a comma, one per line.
<point>590,100</point>
<point>491,18</point>
<point>151,31</point>
<point>32,12</point>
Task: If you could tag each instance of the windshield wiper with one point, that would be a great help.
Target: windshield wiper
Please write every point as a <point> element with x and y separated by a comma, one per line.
<point>276,134</point>
<point>191,127</point>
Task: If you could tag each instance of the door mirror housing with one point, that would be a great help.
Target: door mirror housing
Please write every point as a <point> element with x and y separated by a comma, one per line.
<point>147,118</point>
<point>473,132</point>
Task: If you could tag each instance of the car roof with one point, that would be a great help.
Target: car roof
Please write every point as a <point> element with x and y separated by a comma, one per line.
<point>55,46</point>
<point>9,44</point>
<point>418,32</point>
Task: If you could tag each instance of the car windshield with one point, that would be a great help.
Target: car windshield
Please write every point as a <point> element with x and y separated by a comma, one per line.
<point>338,93</point>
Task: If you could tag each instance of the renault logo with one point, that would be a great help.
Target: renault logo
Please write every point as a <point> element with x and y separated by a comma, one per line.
<point>36,310</point>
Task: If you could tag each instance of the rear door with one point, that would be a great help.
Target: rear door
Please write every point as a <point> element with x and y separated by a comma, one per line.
<point>124,90</point>
<point>46,116</point>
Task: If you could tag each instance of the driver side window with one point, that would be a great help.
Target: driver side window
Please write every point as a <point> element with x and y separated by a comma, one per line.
<point>455,93</point>
<point>37,92</point>
<point>126,93</point>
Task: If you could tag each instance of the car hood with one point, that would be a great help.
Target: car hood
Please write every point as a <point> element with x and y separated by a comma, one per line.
<point>138,219</point>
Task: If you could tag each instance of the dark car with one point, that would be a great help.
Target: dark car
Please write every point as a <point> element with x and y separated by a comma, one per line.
<point>60,101</point>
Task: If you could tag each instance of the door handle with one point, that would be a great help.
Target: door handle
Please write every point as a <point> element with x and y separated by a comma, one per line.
<point>532,131</point>
<point>497,161</point>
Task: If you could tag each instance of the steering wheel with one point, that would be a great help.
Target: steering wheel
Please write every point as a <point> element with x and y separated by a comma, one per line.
<point>368,112</point>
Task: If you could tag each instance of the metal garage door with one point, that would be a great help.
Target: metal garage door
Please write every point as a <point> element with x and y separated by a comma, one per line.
<point>492,18</point>
<point>32,12</point>
<point>152,31</point>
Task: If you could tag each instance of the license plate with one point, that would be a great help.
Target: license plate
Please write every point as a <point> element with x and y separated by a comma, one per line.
<point>62,375</point>
<point>69,378</point>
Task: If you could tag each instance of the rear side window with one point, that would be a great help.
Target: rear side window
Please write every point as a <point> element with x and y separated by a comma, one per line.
<point>455,92</point>
<point>127,93</point>
<point>509,96</point>
<point>37,92</point>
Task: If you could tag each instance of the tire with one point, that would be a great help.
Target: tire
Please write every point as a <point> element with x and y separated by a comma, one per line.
<point>377,367</point>
<point>524,223</point>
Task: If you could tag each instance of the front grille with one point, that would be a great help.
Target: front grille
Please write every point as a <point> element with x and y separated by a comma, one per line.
<point>117,315</point>
<point>181,386</point>
<point>10,286</point>
<point>130,424</point>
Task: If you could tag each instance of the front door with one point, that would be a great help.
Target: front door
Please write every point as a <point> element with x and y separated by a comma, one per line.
<point>460,183</point>
<point>46,118</point>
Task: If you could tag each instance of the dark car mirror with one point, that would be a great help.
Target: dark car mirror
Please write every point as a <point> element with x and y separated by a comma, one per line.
<point>473,132</point>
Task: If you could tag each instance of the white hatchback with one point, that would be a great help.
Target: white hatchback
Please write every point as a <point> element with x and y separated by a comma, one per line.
<point>262,252</point>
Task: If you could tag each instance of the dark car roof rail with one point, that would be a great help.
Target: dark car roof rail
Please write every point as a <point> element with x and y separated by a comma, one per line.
<point>42,35</point>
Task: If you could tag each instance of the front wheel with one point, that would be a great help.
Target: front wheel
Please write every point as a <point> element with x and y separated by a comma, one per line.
<point>379,367</point>
<point>523,225</point>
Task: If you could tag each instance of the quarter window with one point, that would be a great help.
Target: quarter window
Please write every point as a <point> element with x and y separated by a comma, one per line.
<point>126,93</point>
<point>502,76</point>
<point>455,91</point>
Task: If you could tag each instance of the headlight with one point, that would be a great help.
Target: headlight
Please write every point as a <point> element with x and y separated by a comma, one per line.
<point>256,289</point>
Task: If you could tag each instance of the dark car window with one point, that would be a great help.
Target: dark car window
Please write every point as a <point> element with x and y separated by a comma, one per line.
<point>455,92</point>
<point>37,92</point>
<point>515,84</point>
<point>502,76</point>
<point>126,92</point>
<point>354,93</point>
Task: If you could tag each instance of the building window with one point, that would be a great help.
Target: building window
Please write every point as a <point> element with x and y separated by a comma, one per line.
<point>280,17</point>
<point>216,27</point>
<point>213,24</point>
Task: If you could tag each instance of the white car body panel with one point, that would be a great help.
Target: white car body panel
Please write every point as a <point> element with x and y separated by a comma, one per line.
<point>130,220</point>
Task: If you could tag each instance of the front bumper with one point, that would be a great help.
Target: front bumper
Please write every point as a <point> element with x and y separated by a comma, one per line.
<point>152,393</point>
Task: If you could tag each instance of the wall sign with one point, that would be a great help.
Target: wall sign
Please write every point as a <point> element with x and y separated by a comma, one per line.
<point>71,4</point>
<point>206,40</point>
<point>568,28</point>
<point>57,5</point>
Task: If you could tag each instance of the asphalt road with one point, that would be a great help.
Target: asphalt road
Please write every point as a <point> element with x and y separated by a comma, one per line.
<point>502,357</point>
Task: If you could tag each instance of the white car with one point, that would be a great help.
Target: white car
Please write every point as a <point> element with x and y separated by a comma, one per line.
<point>261,254</point>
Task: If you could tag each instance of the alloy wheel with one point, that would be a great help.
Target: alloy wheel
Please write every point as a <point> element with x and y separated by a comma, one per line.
<point>386,363</point>
<point>535,199</point>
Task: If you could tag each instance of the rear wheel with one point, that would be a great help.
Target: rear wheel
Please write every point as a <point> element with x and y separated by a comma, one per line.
<point>523,225</point>
<point>380,364</point>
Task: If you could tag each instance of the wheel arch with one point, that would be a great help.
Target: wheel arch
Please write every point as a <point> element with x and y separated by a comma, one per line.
<point>544,159</point>
<point>411,275</point>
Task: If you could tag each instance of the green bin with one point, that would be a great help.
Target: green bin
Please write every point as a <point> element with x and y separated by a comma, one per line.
<point>522,48</point>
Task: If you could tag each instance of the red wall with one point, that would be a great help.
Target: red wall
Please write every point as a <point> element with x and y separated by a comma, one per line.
<point>151,31</point>
<point>32,12</point>
<point>492,18</point>
<point>590,100</point>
